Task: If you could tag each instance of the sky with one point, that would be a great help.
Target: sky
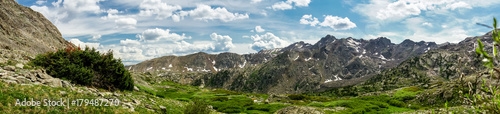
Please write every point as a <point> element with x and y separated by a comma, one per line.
<point>139,30</point>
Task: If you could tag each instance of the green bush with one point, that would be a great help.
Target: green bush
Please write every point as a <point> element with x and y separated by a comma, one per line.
<point>232,105</point>
<point>407,94</point>
<point>87,67</point>
<point>197,107</point>
<point>222,99</point>
<point>396,103</point>
<point>296,96</point>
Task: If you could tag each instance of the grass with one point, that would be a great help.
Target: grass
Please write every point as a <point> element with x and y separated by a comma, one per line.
<point>10,93</point>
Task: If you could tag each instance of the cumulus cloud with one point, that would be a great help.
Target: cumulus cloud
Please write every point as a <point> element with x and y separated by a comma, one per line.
<point>456,5</point>
<point>282,5</point>
<point>126,23</point>
<point>256,1</point>
<point>401,9</point>
<point>221,43</point>
<point>157,7</point>
<point>427,24</point>
<point>135,50</point>
<point>267,41</point>
<point>40,2</point>
<point>129,42</point>
<point>157,34</point>
<point>309,20</point>
<point>259,29</point>
<point>96,37</point>
<point>205,13</point>
<point>79,43</point>
<point>337,23</point>
<point>82,5</point>
<point>67,10</point>
<point>334,22</point>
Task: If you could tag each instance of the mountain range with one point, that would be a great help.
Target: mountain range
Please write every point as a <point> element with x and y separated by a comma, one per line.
<point>297,68</point>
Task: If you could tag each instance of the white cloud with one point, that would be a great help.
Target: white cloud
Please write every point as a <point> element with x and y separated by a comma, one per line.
<point>67,10</point>
<point>337,23</point>
<point>309,20</point>
<point>259,29</point>
<point>334,22</point>
<point>300,3</point>
<point>427,24</point>
<point>282,5</point>
<point>126,23</point>
<point>222,43</point>
<point>135,50</point>
<point>157,7</point>
<point>256,1</point>
<point>82,5</point>
<point>129,42</point>
<point>157,34</point>
<point>205,13</point>
<point>40,2</point>
<point>96,37</point>
<point>401,9</point>
<point>267,41</point>
<point>456,5</point>
<point>79,43</point>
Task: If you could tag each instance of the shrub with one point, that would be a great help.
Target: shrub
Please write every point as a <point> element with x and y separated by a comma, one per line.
<point>86,67</point>
<point>296,96</point>
<point>396,103</point>
<point>197,107</point>
<point>220,99</point>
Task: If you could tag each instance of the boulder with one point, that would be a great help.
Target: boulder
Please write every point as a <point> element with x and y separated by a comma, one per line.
<point>42,75</point>
<point>66,83</point>
<point>3,61</point>
<point>54,82</point>
<point>9,68</point>
<point>19,65</point>
<point>10,81</point>
<point>105,94</point>
<point>128,105</point>
<point>136,88</point>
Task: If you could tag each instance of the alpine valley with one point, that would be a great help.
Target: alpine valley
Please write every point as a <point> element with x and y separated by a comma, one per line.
<point>334,75</point>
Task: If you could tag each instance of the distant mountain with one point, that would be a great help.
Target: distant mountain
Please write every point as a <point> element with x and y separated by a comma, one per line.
<point>298,68</point>
<point>23,29</point>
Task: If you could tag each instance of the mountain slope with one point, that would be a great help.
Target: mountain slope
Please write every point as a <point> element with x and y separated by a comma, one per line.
<point>298,68</point>
<point>26,30</point>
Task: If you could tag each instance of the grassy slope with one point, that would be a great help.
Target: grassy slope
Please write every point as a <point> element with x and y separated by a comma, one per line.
<point>175,97</point>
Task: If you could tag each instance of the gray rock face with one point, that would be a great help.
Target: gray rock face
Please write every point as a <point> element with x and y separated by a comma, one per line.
<point>23,29</point>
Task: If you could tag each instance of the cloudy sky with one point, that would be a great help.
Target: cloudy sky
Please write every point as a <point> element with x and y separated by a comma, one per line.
<point>138,30</point>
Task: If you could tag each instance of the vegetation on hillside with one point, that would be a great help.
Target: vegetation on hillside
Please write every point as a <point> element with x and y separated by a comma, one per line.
<point>86,67</point>
<point>488,98</point>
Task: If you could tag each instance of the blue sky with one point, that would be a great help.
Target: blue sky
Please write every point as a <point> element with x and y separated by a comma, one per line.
<point>138,30</point>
